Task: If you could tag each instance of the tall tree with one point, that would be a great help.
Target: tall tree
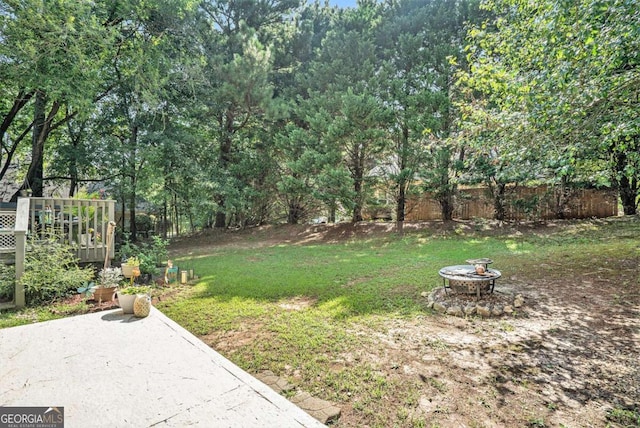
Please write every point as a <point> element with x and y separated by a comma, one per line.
<point>52,53</point>
<point>571,71</point>
<point>308,165</point>
<point>341,83</point>
<point>418,42</point>
<point>139,75</point>
<point>236,81</point>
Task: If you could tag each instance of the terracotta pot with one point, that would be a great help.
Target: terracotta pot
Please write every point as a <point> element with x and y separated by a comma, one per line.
<point>104,294</point>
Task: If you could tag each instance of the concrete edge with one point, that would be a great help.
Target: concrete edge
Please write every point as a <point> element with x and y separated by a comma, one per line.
<point>261,388</point>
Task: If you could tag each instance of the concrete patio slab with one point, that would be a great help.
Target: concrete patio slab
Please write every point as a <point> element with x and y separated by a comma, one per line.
<point>112,370</point>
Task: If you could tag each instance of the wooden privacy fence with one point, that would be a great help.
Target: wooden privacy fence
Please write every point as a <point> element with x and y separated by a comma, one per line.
<point>521,203</point>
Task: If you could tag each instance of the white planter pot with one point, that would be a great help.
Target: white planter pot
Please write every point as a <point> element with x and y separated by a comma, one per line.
<point>126,302</point>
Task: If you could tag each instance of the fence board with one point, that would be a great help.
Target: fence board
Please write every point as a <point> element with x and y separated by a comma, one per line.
<point>521,203</point>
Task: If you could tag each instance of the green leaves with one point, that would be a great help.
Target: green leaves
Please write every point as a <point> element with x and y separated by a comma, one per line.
<point>562,75</point>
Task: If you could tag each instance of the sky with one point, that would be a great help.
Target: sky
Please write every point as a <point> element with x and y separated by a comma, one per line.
<point>343,3</point>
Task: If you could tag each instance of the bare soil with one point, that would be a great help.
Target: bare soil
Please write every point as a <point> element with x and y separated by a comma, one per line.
<point>569,359</point>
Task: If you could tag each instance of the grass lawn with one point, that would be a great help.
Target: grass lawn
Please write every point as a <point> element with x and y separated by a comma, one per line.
<point>336,318</point>
<point>307,312</point>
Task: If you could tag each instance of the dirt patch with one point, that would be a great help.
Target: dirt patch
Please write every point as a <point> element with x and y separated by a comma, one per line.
<point>228,342</point>
<point>566,365</point>
<point>297,303</point>
<point>567,360</point>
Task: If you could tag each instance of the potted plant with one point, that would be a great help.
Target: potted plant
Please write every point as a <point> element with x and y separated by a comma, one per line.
<point>88,288</point>
<point>129,265</point>
<point>108,280</point>
<point>147,267</point>
<point>127,295</point>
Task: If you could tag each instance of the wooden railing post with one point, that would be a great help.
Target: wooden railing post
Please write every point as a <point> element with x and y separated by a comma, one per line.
<point>20,230</point>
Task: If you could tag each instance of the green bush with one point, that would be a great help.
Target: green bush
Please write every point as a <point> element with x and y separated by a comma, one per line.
<point>51,271</point>
<point>158,249</point>
<point>147,264</point>
<point>7,281</point>
<point>144,223</point>
<point>150,254</point>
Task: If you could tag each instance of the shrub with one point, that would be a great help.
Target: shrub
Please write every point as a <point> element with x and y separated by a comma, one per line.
<point>7,281</point>
<point>144,223</point>
<point>158,249</point>
<point>147,264</point>
<point>127,249</point>
<point>51,271</point>
<point>150,255</point>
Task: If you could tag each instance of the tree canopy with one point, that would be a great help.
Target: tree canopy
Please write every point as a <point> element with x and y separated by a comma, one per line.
<point>234,113</point>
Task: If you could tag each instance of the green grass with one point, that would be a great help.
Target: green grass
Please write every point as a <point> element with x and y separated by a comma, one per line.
<point>361,283</point>
<point>625,417</point>
<point>303,308</point>
<point>365,278</point>
<point>29,315</point>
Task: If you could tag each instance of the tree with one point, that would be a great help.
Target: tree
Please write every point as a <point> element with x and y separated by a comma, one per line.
<point>236,86</point>
<point>571,71</point>
<point>52,53</point>
<point>341,85</point>
<point>130,117</point>
<point>418,41</point>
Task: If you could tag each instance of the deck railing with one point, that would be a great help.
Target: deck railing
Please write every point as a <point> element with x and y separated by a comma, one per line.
<point>83,223</point>
<point>20,240</point>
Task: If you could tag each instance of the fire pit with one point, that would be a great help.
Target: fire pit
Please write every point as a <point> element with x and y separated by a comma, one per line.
<point>464,279</point>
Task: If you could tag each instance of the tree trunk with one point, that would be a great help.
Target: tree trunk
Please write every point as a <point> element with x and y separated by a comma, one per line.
<point>40,131</point>
<point>176,214</point>
<point>133,229</point>
<point>295,213</point>
<point>9,146</point>
<point>401,199</point>
<point>132,212</point>
<point>73,167</point>
<point>499,209</point>
<point>225,160</point>
<point>627,187</point>
<point>221,217</point>
<point>563,198</point>
<point>124,208</point>
<point>358,178</point>
<point>332,213</point>
<point>447,206</point>
<point>400,206</point>
<point>164,217</point>
<point>357,207</point>
<point>34,177</point>
<point>447,189</point>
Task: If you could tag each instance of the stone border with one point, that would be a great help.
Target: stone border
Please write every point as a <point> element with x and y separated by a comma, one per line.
<point>496,304</point>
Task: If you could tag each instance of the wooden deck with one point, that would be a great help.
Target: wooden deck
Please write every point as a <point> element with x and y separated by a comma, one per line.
<point>82,223</point>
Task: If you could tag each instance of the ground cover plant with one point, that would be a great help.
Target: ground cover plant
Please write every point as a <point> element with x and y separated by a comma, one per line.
<point>339,312</point>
